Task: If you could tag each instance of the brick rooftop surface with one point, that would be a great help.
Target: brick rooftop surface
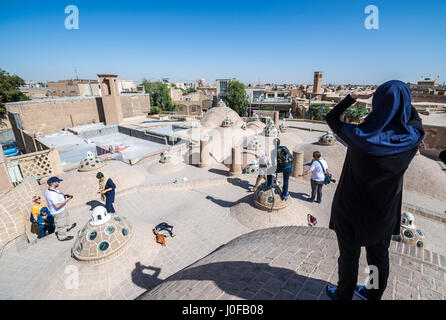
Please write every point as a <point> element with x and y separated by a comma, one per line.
<point>287,263</point>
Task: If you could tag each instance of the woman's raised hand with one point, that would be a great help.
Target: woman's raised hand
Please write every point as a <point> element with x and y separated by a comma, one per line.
<point>363,94</point>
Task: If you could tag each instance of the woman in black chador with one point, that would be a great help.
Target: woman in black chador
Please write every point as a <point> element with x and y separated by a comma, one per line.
<point>366,207</point>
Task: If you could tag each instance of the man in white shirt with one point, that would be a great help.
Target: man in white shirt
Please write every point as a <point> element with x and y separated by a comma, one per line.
<point>317,170</point>
<point>57,204</point>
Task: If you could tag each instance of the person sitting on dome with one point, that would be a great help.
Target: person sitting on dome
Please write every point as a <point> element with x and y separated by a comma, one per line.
<point>35,210</point>
<point>46,222</point>
<point>107,190</point>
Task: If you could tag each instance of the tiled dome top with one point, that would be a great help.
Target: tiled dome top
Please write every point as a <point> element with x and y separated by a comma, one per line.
<point>328,139</point>
<point>98,242</point>
<point>252,168</point>
<point>254,143</point>
<point>269,199</point>
<point>227,122</point>
<point>283,127</point>
<point>409,233</point>
<point>165,157</point>
<point>271,130</point>
<point>91,162</point>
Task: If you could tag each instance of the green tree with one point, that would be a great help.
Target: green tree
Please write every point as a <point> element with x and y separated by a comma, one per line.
<point>9,90</point>
<point>354,113</point>
<point>315,110</point>
<point>160,100</point>
<point>189,90</point>
<point>236,97</point>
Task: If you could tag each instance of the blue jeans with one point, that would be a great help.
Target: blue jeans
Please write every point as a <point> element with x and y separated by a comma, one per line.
<point>286,178</point>
<point>109,205</point>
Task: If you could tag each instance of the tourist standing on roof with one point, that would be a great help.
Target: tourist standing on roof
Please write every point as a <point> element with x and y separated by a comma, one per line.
<point>366,209</point>
<point>107,190</point>
<point>57,205</point>
<point>282,161</point>
<point>319,171</point>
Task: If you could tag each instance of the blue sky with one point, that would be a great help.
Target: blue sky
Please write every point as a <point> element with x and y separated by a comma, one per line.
<point>253,41</point>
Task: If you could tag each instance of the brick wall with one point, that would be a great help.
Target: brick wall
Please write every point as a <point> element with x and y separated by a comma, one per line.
<point>15,208</point>
<point>51,116</point>
<point>434,141</point>
<point>135,105</point>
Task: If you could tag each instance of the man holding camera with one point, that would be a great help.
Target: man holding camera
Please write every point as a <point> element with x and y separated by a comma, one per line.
<point>57,204</point>
<point>318,169</point>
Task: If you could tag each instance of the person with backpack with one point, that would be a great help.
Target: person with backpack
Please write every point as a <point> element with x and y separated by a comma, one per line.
<point>283,164</point>
<point>319,176</point>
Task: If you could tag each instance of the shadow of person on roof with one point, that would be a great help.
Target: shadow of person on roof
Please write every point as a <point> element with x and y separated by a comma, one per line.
<point>94,203</point>
<point>144,280</point>
<point>250,281</point>
<point>219,172</point>
<point>300,195</point>
<point>229,204</point>
<point>245,184</point>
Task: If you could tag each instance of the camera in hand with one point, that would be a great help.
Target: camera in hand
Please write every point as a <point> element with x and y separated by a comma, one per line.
<point>68,196</point>
<point>331,179</point>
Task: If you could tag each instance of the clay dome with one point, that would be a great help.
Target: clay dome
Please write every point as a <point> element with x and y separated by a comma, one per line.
<point>214,117</point>
<point>254,144</point>
<point>283,127</point>
<point>271,130</point>
<point>270,199</point>
<point>409,233</point>
<point>103,237</point>
<point>227,122</point>
<point>327,139</point>
<point>165,157</point>
<point>91,162</point>
<point>256,126</point>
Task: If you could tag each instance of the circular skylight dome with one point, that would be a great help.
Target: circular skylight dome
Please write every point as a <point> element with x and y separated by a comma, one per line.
<point>102,239</point>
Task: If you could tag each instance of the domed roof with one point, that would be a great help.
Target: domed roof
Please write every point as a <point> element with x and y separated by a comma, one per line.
<point>214,117</point>
<point>103,237</point>
<point>256,126</point>
<point>165,157</point>
<point>91,162</point>
<point>327,139</point>
<point>270,199</point>
<point>271,130</point>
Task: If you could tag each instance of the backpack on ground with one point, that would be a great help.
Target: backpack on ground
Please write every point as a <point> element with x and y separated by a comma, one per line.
<point>284,156</point>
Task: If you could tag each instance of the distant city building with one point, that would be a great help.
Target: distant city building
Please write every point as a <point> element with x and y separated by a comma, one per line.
<point>130,86</point>
<point>74,88</point>
<point>427,82</point>
<point>35,90</point>
<point>222,87</point>
<point>269,98</point>
<point>317,85</point>
<point>32,85</point>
